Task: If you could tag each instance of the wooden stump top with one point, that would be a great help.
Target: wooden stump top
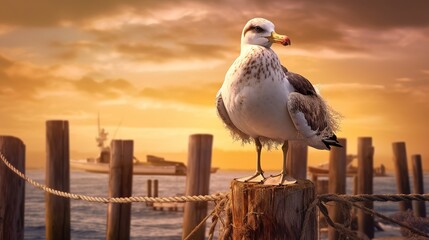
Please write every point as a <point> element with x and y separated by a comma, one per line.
<point>272,212</point>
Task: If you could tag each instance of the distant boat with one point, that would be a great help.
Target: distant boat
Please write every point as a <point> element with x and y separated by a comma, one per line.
<point>138,169</point>
<point>154,165</point>
<point>323,169</point>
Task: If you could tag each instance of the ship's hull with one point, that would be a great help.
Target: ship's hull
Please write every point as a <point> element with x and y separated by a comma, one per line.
<point>138,169</point>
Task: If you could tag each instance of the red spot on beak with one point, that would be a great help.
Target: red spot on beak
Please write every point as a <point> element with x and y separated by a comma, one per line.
<point>286,41</point>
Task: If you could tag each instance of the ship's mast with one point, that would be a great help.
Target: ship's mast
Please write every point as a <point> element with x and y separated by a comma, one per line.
<point>102,136</point>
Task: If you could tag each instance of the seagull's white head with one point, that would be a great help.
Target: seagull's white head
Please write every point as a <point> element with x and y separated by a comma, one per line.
<point>260,31</point>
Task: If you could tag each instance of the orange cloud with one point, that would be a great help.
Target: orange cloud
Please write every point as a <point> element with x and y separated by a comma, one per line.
<point>109,88</point>
<point>201,94</point>
<point>184,51</point>
<point>20,81</point>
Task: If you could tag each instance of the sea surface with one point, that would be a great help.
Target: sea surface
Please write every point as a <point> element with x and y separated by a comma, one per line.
<point>88,220</point>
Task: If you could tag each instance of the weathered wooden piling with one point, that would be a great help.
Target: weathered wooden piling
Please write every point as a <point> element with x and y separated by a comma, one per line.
<point>401,170</point>
<point>120,185</point>
<point>149,187</point>
<point>297,159</point>
<point>12,189</point>
<point>337,185</point>
<point>365,154</point>
<point>419,207</point>
<point>272,212</point>
<point>57,177</point>
<point>197,182</point>
<point>155,188</point>
<point>149,191</point>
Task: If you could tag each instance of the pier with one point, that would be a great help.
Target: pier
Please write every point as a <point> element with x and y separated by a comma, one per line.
<point>256,209</point>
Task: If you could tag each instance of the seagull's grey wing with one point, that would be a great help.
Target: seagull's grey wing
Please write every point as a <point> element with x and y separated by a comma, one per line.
<point>310,114</point>
<point>299,83</point>
<point>306,108</point>
<point>223,114</point>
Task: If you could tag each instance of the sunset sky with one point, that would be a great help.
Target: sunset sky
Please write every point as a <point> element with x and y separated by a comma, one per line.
<point>152,70</point>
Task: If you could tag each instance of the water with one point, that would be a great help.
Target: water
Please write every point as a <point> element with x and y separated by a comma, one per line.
<point>88,220</point>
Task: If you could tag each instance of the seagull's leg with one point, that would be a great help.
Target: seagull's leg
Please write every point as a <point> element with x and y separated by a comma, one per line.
<point>281,178</point>
<point>259,174</point>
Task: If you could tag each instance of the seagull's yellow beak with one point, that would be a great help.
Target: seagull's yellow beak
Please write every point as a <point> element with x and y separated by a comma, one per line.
<point>278,38</point>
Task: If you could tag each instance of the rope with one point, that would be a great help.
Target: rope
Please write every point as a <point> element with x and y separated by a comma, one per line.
<point>374,198</point>
<point>224,205</point>
<point>352,200</point>
<point>215,213</point>
<point>198,198</point>
<point>226,231</point>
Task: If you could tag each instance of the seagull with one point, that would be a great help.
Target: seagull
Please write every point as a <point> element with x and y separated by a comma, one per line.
<point>261,101</point>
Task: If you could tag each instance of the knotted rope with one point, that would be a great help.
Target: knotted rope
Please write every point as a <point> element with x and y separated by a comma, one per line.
<point>223,205</point>
<point>352,200</point>
<point>198,198</point>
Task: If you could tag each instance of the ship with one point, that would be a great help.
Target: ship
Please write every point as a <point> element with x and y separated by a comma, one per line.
<point>163,167</point>
<point>154,165</point>
<point>351,170</point>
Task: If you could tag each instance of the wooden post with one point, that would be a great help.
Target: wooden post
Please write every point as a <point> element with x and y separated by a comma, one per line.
<point>57,177</point>
<point>419,207</point>
<point>197,182</point>
<point>297,160</point>
<point>120,185</point>
<point>149,191</point>
<point>272,212</point>
<point>155,188</point>
<point>401,169</point>
<point>12,189</point>
<point>365,184</point>
<point>149,187</point>
<point>337,185</point>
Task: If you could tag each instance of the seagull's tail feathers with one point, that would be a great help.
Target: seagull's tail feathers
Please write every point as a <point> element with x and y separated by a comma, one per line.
<point>323,142</point>
<point>315,121</point>
<point>331,141</point>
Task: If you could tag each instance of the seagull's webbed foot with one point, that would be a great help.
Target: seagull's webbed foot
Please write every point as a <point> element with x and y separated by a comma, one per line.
<point>258,177</point>
<point>280,179</point>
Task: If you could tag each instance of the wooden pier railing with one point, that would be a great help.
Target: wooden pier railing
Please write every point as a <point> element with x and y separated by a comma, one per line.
<point>257,210</point>
<point>120,185</point>
<point>197,182</point>
<point>365,183</point>
<point>337,184</point>
<point>57,177</point>
<point>12,189</point>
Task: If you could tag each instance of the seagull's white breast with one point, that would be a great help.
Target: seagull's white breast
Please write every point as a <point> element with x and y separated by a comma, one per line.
<point>255,93</point>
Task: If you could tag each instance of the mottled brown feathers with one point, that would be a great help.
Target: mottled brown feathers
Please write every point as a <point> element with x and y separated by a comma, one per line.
<point>313,108</point>
<point>300,83</point>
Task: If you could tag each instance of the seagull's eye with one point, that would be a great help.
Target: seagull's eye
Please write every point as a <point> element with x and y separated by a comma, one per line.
<point>258,29</point>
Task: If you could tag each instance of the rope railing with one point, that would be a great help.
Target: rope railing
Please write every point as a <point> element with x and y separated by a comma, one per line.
<point>223,202</point>
<point>374,197</point>
<point>353,200</point>
<point>197,198</point>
